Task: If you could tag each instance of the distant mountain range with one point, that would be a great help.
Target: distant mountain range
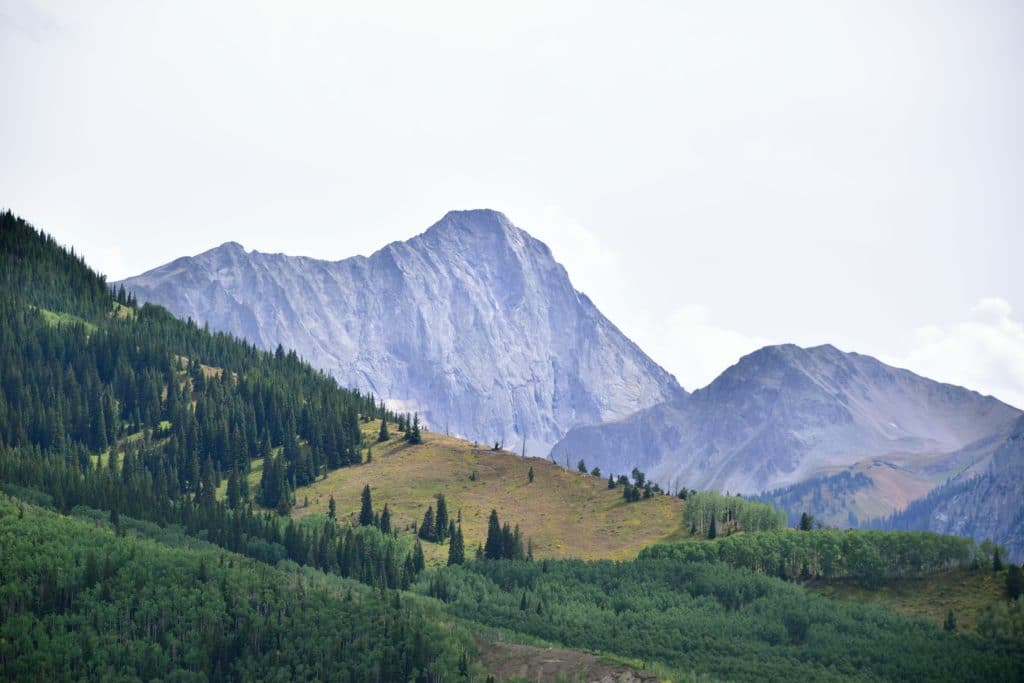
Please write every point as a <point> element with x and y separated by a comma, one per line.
<point>476,326</point>
<point>472,323</point>
<point>840,435</point>
<point>987,504</point>
<point>783,414</point>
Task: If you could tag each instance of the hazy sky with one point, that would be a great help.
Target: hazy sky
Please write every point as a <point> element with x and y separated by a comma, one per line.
<point>715,175</point>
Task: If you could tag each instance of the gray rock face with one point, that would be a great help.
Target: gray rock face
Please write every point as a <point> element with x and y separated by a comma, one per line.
<point>472,323</point>
<point>985,506</point>
<point>783,414</point>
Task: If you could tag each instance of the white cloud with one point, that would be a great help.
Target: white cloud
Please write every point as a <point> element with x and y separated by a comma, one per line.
<point>984,353</point>
<point>690,344</point>
<point>592,266</point>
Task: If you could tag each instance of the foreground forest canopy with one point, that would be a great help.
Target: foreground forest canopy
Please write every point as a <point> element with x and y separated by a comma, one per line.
<point>135,545</point>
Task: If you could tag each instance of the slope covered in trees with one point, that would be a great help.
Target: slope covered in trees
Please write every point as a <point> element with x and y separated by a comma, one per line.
<point>865,556</point>
<point>82,603</point>
<point>710,618</point>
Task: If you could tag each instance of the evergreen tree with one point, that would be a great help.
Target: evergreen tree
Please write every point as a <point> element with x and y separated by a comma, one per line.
<point>529,475</point>
<point>383,435</point>
<point>611,482</point>
<point>806,522</point>
<point>997,561</point>
<point>713,529</point>
<point>413,436</point>
<point>284,503</point>
<point>332,509</point>
<point>456,548</point>
<point>234,493</point>
<point>493,545</point>
<point>441,519</point>
<point>1014,582</point>
<point>385,520</point>
<point>581,466</point>
<point>950,623</point>
<point>596,472</point>
<point>428,530</point>
<point>366,510</point>
<point>417,557</point>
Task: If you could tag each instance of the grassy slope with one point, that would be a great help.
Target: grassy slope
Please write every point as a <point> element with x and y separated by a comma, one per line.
<point>566,514</point>
<point>967,593</point>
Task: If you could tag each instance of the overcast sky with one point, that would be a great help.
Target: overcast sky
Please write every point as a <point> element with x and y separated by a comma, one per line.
<point>715,175</point>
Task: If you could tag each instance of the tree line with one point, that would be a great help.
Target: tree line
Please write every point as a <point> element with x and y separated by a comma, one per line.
<point>866,557</point>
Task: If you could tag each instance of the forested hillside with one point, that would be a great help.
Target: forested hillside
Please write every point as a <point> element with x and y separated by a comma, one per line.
<point>82,602</point>
<point>149,530</point>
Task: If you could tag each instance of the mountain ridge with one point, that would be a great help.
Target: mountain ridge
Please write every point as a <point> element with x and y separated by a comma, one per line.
<point>783,414</point>
<point>471,322</point>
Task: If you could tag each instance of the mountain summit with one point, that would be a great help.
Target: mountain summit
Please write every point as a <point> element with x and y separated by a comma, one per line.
<point>472,323</point>
<point>784,414</point>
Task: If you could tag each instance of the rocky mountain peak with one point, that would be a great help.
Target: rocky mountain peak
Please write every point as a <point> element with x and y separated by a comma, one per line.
<point>472,323</point>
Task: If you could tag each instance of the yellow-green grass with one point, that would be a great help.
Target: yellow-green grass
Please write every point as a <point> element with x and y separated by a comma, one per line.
<point>565,514</point>
<point>122,312</point>
<point>966,592</point>
<point>104,458</point>
<point>55,319</point>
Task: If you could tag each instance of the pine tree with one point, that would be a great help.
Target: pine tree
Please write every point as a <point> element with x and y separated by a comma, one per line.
<point>332,509</point>
<point>581,466</point>
<point>522,603</point>
<point>428,532</point>
<point>611,482</point>
<point>456,548</point>
<point>529,475</point>
<point>413,436</point>
<point>997,561</point>
<point>950,623</point>
<point>417,557</point>
<point>441,519</point>
<point>385,520</point>
<point>383,435</point>
<point>806,522</point>
<point>713,529</point>
<point>366,511</point>
<point>284,503</point>
<point>493,545</point>
<point>1014,582</point>
<point>234,492</point>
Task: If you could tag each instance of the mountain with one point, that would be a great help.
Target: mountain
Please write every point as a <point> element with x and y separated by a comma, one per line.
<point>472,323</point>
<point>986,505</point>
<point>785,414</point>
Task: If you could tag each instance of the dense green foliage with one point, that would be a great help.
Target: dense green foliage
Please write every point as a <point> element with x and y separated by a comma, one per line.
<point>180,408</point>
<point>729,513</point>
<point>79,602</point>
<point>866,557</point>
<point>714,619</point>
<point>821,496</point>
<point>36,267</point>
